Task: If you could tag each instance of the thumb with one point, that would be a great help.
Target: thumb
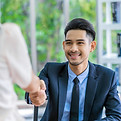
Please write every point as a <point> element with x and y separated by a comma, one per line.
<point>42,85</point>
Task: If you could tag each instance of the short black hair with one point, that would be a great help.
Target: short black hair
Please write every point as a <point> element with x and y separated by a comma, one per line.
<point>81,24</point>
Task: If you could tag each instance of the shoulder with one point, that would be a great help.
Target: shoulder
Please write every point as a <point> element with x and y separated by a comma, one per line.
<point>55,65</point>
<point>101,70</point>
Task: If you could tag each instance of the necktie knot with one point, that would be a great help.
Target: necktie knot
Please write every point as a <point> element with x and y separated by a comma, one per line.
<point>76,81</point>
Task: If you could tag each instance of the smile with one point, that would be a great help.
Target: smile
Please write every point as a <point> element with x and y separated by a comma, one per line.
<point>74,55</point>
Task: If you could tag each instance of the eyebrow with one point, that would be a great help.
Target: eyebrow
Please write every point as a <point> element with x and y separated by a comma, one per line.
<point>76,40</point>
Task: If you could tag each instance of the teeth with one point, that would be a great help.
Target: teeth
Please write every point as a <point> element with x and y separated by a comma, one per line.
<point>74,55</point>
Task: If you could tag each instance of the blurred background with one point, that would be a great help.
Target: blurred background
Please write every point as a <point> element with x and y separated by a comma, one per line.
<point>43,22</point>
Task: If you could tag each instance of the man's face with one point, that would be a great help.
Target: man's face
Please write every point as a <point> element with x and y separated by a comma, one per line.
<point>77,46</point>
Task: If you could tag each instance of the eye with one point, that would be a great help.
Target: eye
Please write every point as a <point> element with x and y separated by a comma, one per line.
<point>68,43</point>
<point>80,43</point>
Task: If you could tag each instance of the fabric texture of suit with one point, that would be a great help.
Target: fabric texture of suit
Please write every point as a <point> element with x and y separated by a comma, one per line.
<point>101,91</point>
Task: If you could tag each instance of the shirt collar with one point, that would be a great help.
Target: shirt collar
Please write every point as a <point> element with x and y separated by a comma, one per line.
<point>81,77</point>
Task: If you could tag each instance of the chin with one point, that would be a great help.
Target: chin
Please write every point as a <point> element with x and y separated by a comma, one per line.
<point>75,63</point>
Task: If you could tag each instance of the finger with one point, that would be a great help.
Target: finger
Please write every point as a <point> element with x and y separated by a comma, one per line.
<point>42,85</point>
<point>42,94</point>
<point>38,99</point>
<point>35,94</point>
<point>38,102</point>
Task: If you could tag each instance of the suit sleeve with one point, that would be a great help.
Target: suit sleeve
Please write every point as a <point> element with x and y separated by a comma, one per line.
<point>113,103</point>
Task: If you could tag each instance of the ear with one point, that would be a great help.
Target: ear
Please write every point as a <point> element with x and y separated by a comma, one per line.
<point>63,44</point>
<point>92,46</point>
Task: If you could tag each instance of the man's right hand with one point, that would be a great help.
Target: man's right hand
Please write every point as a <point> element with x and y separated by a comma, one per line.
<point>38,98</point>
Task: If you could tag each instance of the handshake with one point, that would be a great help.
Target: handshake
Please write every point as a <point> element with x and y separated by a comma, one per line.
<point>37,95</point>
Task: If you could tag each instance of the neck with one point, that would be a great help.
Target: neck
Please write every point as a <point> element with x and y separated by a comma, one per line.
<point>79,68</point>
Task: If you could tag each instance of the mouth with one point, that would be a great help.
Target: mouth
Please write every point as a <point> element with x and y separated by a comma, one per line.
<point>74,56</point>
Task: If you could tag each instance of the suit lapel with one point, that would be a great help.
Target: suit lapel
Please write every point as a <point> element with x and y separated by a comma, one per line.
<point>90,91</point>
<point>63,82</point>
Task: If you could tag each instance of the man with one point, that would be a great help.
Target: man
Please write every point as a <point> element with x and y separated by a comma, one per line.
<point>94,89</point>
<point>15,67</point>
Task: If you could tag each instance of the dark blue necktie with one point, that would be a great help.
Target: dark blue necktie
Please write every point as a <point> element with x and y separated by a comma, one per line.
<point>74,110</point>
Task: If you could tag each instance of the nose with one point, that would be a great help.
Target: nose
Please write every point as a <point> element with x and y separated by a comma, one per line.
<point>74,48</point>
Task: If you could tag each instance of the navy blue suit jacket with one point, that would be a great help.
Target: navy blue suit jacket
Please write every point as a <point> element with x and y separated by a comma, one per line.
<point>101,91</point>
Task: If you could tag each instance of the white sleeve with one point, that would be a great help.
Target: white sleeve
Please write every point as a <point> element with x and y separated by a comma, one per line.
<point>17,57</point>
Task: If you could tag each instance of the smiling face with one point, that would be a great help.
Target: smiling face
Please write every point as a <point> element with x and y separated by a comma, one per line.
<point>77,46</point>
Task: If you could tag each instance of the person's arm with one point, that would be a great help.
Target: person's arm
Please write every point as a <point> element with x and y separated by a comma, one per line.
<point>15,54</point>
<point>112,104</point>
